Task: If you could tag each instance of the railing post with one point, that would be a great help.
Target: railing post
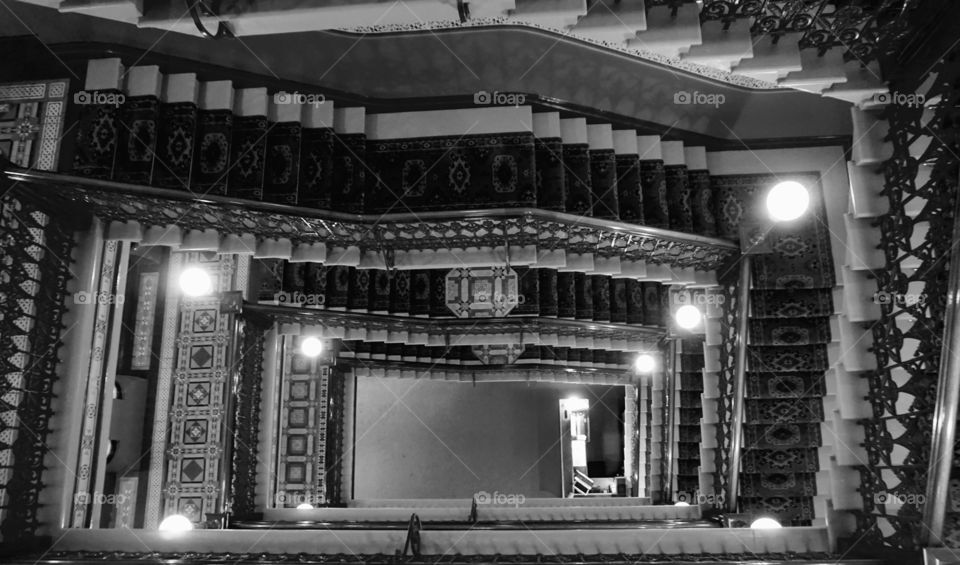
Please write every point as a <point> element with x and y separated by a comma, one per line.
<point>669,422</point>
<point>945,411</point>
<point>739,387</point>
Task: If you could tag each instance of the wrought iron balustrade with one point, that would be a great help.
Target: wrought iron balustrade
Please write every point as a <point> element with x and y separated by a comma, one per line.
<point>385,234</point>
<point>861,27</point>
<point>902,390</point>
<point>34,270</point>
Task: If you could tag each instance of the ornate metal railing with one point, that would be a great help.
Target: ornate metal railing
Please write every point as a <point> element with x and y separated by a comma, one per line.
<point>34,270</point>
<point>441,331</point>
<point>902,391</point>
<point>810,558</point>
<point>729,322</point>
<point>385,234</point>
<point>334,443</point>
<point>246,423</point>
<point>861,27</point>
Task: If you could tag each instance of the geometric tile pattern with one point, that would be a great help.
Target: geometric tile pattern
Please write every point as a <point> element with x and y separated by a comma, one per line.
<point>302,445</point>
<point>193,466</point>
<point>31,117</point>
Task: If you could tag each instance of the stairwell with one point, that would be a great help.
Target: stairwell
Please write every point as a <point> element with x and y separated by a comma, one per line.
<point>683,35</point>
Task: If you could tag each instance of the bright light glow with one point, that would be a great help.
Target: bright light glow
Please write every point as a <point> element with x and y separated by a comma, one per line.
<point>645,363</point>
<point>681,503</point>
<point>765,524</point>
<point>304,506</point>
<point>311,346</point>
<point>688,316</point>
<point>176,523</point>
<point>787,201</point>
<point>195,282</point>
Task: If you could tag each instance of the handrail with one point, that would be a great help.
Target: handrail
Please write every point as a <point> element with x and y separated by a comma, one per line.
<point>670,406</point>
<point>946,411</point>
<point>740,387</point>
<point>62,180</point>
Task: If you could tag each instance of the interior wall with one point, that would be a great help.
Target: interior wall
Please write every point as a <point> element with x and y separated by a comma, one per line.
<point>441,439</point>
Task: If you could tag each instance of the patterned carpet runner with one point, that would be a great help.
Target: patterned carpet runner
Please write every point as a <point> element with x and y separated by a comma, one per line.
<point>791,302</point>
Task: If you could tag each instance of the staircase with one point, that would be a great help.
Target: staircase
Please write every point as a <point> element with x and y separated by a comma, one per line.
<point>677,34</point>
<point>175,131</point>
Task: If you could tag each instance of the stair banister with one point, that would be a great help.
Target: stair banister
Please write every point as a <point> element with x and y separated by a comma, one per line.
<point>739,387</point>
<point>946,410</point>
<point>669,407</point>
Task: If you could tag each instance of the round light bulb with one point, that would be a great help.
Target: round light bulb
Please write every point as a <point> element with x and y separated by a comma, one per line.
<point>176,523</point>
<point>304,506</point>
<point>765,524</point>
<point>195,282</point>
<point>645,363</point>
<point>681,503</point>
<point>311,346</point>
<point>787,201</point>
<point>688,316</point>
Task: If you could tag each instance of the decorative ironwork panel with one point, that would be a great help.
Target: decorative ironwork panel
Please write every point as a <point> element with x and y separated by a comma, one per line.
<point>385,235</point>
<point>33,281</point>
<point>246,427</point>
<point>730,308</point>
<point>920,175</point>
<point>862,28</point>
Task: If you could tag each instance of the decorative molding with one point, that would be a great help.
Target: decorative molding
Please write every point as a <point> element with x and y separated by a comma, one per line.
<point>144,321</point>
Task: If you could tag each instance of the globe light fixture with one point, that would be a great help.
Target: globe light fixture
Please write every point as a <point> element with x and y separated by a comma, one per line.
<point>176,523</point>
<point>195,282</point>
<point>765,524</point>
<point>787,200</point>
<point>645,363</point>
<point>688,317</point>
<point>304,506</point>
<point>681,503</point>
<point>311,346</point>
